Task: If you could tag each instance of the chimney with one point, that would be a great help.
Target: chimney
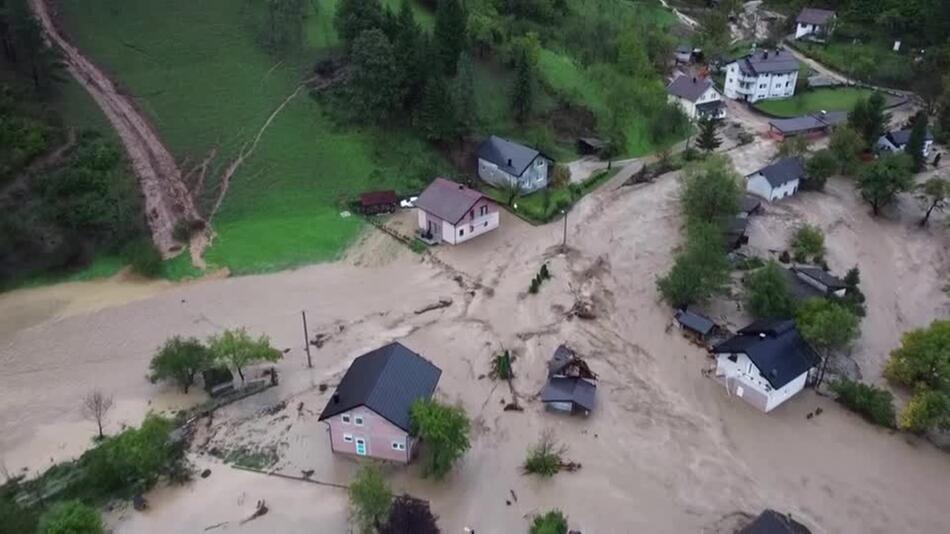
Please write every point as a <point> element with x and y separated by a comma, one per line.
<point>509,162</point>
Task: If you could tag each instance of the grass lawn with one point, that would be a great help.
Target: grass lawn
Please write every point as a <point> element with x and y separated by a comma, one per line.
<point>545,205</point>
<point>208,84</point>
<point>811,101</point>
<point>873,62</point>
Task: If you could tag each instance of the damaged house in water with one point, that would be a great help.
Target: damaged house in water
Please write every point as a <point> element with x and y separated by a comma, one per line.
<point>570,387</point>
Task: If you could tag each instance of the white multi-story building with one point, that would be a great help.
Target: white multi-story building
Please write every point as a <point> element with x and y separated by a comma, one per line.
<point>761,75</point>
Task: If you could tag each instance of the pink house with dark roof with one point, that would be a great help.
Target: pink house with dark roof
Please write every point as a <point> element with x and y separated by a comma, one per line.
<point>451,213</point>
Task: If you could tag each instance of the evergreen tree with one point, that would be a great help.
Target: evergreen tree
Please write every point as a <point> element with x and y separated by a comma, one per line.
<point>707,139</point>
<point>375,85</point>
<point>449,34</point>
<point>522,94</point>
<point>435,118</point>
<point>353,17</point>
<point>463,94</point>
<point>917,141</point>
<point>284,30</point>
<point>877,119</point>
<point>411,48</point>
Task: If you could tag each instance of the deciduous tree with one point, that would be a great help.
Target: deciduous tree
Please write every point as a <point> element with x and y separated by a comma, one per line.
<point>409,514</point>
<point>808,242</point>
<point>923,358</point>
<point>179,360</point>
<point>444,430</point>
<point>827,326</point>
<point>934,194</point>
<point>767,293</point>
<point>238,349</point>
<point>821,166</point>
<point>700,271</point>
<point>95,406</point>
<point>880,182</point>
<point>846,144</point>
<point>370,499</point>
<point>710,191</point>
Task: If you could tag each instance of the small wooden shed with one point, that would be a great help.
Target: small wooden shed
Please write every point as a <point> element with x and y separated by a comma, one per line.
<point>378,202</point>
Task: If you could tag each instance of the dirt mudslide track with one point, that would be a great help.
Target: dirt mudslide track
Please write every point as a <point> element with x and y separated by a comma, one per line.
<point>167,200</point>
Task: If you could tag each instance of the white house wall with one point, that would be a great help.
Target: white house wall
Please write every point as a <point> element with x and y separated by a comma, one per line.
<point>746,379</point>
<point>758,185</point>
<point>689,108</point>
<point>535,177</point>
<point>761,87</point>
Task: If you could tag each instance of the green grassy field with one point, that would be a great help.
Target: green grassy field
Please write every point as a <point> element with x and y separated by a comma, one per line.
<point>872,62</point>
<point>208,83</point>
<point>816,100</point>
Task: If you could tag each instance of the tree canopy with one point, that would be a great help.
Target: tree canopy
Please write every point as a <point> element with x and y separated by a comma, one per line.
<point>445,432</point>
<point>707,139</point>
<point>71,517</point>
<point>880,182</point>
<point>808,244</point>
<point>370,499</point>
<point>237,348</point>
<point>552,522</point>
<point>180,360</point>
<point>846,143</point>
<point>918,137</point>
<point>922,362</point>
<point>767,293</point>
<point>822,165</point>
<point>934,193</point>
<point>711,191</point>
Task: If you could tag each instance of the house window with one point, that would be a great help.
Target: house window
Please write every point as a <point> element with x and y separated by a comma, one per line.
<point>733,358</point>
<point>347,438</point>
<point>539,163</point>
<point>461,232</point>
<point>399,446</point>
<point>345,418</point>
<point>483,211</point>
<point>358,420</point>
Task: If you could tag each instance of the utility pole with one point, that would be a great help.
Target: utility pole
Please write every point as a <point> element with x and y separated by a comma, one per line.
<point>306,339</point>
<point>564,239</point>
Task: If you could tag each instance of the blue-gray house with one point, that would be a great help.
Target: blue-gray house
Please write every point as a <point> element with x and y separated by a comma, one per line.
<point>503,163</point>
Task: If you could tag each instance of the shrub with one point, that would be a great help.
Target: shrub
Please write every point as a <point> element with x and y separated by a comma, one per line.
<point>821,166</point>
<point>70,517</point>
<point>445,430</point>
<point>768,293</point>
<point>408,514</point>
<point>143,257</point>
<point>501,366</point>
<point>552,522</point>
<point>808,242</point>
<point>560,176</point>
<point>370,498</point>
<point>544,458</point>
<point>927,410</point>
<point>871,402</point>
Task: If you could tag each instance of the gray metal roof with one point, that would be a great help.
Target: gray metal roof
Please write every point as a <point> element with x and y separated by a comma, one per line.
<point>749,204</point>
<point>799,289</point>
<point>448,200</point>
<point>563,355</point>
<point>810,15</point>
<point>387,380</point>
<point>570,389</point>
<point>772,522</point>
<point>783,171</point>
<point>775,347</point>
<point>768,62</point>
<point>823,276</point>
<point>689,87</point>
<point>696,322</point>
<point>814,121</point>
<point>509,156</point>
<point>901,137</point>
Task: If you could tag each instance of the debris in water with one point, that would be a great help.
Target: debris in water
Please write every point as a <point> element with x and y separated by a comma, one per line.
<point>206,473</point>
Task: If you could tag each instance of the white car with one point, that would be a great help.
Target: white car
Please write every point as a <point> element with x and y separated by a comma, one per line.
<point>408,203</point>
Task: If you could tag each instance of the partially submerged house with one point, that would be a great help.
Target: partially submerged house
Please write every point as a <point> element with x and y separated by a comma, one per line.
<point>695,325</point>
<point>762,75</point>
<point>368,414</point>
<point>451,213</point>
<point>697,97</point>
<point>814,24</point>
<point>826,283</point>
<point>570,387</point>
<point>772,522</point>
<point>503,163</point>
<point>811,126</point>
<point>766,363</point>
<point>897,140</point>
<point>778,180</point>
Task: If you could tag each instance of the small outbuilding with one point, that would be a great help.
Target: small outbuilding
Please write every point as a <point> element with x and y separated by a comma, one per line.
<point>814,24</point>
<point>694,324</point>
<point>778,180</point>
<point>897,140</point>
<point>826,283</point>
<point>376,202</point>
<point>570,387</point>
<point>772,522</point>
<point>811,126</point>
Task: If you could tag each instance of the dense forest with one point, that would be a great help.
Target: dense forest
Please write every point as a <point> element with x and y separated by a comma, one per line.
<point>65,195</point>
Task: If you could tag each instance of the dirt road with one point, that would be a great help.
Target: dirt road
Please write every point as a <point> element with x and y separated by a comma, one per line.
<point>167,200</point>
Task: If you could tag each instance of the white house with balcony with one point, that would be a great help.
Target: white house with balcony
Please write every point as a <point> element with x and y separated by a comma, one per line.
<point>697,97</point>
<point>762,75</point>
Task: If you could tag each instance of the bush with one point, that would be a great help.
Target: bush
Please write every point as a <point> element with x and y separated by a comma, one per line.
<point>808,243</point>
<point>552,522</point>
<point>132,461</point>
<point>143,257</point>
<point>70,517</point>
<point>180,360</point>
<point>544,458</point>
<point>871,402</point>
<point>927,410</point>
<point>370,498</point>
<point>767,293</point>
<point>821,166</point>
<point>445,430</point>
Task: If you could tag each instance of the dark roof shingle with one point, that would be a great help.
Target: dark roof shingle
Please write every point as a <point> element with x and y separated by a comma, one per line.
<point>783,171</point>
<point>689,87</point>
<point>823,276</point>
<point>696,322</point>
<point>902,137</point>
<point>775,347</point>
<point>448,200</point>
<point>509,156</point>
<point>387,380</point>
<point>570,389</point>
<point>772,522</point>
<point>811,15</point>
<point>768,62</point>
